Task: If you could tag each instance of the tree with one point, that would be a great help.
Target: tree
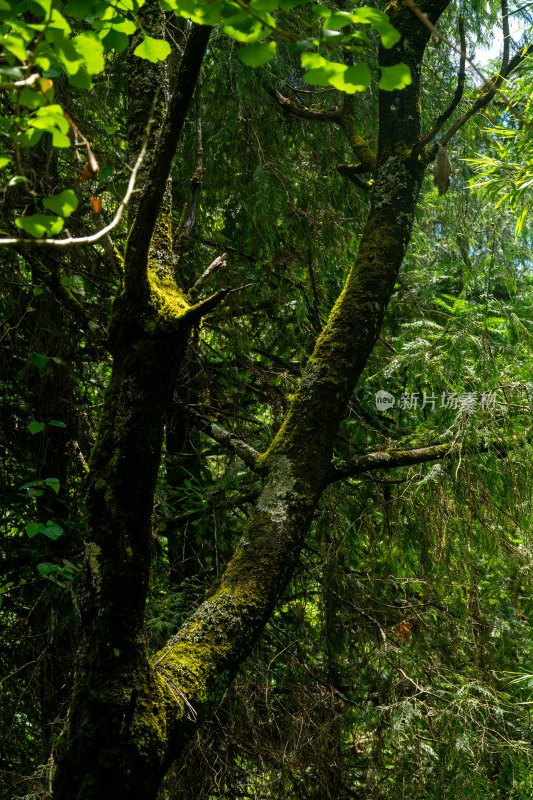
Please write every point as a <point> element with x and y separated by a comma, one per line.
<point>130,715</point>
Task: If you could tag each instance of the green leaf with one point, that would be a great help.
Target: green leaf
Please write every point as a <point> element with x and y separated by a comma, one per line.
<point>31,99</point>
<point>52,530</point>
<point>354,79</point>
<point>39,225</point>
<point>91,49</point>
<point>153,50</point>
<point>53,483</point>
<point>81,80</point>
<point>30,138</point>
<point>396,77</point>
<point>39,360</point>
<point>320,71</point>
<point>32,529</point>
<point>520,221</point>
<point>36,427</point>
<point>4,161</point>
<point>80,9</point>
<point>45,568</point>
<point>209,14</point>
<point>255,55</point>
<point>115,40</point>
<point>367,16</point>
<point>59,139</point>
<point>15,45</point>
<point>57,424</point>
<point>63,203</point>
<point>245,30</point>
<point>52,120</point>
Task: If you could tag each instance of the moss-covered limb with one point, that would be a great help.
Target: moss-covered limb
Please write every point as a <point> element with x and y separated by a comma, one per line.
<point>118,716</point>
<point>195,313</point>
<point>145,81</point>
<point>226,438</point>
<point>344,117</point>
<point>299,110</point>
<point>351,171</point>
<point>344,345</point>
<point>148,94</point>
<point>150,203</point>
<point>390,459</point>
<point>360,147</point>
<point>399,111</point>
<point>147,344</point>
<point>206,653</point>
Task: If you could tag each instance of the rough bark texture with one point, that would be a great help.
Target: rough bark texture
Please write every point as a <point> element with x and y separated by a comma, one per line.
<point>129,717</point>
<point>115,744</point>
<point>205,654</point>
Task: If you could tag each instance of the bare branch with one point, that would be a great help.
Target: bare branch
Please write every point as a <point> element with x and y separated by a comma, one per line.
<point>224,437</point>
<point>20,84</point>
<point>506,34</point>
<point>220,261</point>
<point>104,231</point>
<point>456,98</point>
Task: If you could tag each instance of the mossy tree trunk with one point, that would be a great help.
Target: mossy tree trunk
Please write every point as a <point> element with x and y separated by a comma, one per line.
<point>131,717</point>
<point>115,744</point>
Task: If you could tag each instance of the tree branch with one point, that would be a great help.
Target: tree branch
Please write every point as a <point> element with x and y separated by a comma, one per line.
<point>103,231</point>
<point>390,459</point>
<point>456,98</point>
<point>351,171</point>
<point>136,260</point>
<point>220,261</point>
<point>362,151</point>
<point>20,84</point>
<point>484,99</point>
<point>506,34</point>
<point>224,437</point>
<point>195,313</point>
<point>297,110</point>
<point>491,85</point>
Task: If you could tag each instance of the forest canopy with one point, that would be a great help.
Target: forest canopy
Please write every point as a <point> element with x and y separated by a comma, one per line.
<point>265,347</point>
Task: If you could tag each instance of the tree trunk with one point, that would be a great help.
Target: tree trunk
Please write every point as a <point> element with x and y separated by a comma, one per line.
<point>131,717</point>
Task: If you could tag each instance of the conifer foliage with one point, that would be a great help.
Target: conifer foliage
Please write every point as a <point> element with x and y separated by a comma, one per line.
<point>266,373</point>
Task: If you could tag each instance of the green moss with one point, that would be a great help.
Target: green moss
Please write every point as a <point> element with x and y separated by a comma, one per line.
<point>166,298</point>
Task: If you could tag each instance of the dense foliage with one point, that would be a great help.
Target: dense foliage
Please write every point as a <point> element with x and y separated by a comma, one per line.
<point>398,661</point>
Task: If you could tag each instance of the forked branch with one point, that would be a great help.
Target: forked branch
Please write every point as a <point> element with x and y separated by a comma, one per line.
<point>456,98</point>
